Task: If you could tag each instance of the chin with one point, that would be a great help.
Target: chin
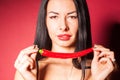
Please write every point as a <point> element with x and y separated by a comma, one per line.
<point>67,44</point>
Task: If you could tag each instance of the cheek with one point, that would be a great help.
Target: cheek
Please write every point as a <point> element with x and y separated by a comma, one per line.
<point>74,31</point>
<point>51,32</point>
<point>51,24</point>
<point>74,26</point>
<point>72,22</point>
<point>51,29</point>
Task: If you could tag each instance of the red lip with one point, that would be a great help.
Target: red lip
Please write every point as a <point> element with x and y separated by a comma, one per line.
<point>64,37</point>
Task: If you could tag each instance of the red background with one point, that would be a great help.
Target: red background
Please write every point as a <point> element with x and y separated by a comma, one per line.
<point>18,22</point>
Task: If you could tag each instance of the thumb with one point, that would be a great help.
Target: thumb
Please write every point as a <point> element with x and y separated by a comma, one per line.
<point>96,53</point>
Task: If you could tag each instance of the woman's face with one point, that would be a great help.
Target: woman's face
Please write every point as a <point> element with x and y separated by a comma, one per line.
<point>62,22</point>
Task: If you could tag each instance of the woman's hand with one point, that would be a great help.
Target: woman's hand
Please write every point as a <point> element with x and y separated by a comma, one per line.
<point>102,63</point>
<point>25,63</point>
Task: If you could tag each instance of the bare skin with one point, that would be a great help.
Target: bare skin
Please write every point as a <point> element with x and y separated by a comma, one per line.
<point>60,69</point>
<point>62,20</point>
<point>53,68</point>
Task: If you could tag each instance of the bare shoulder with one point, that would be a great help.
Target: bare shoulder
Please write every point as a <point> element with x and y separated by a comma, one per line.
<point>18,76</point>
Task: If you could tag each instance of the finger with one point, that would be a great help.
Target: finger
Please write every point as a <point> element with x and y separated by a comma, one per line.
<point>108,63</point>
<point>19,64</point>
<point>103,60</point>
<point>27,52</point>
<point>26,57</point>
<point>27,65</point>
<point>31,47</point>
<point>100,48</point>
<point>104,54</point>
<point>96,53</point>
<point>109,54</point>
<point>33,56</point>
<point>112,56</point>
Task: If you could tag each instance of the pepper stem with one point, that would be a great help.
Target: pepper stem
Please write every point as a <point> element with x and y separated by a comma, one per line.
<point>41,51</point>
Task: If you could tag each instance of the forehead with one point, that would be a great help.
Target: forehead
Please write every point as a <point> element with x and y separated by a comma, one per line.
<point>61,5</point>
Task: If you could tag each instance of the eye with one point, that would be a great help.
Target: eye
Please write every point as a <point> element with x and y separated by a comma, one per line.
<point>73,17</point>
<point>53,17</point>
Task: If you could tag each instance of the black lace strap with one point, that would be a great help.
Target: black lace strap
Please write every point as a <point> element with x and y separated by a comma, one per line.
<point>87,67</point>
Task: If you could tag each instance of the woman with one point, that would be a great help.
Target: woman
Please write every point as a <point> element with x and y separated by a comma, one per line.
<point>63,26</point>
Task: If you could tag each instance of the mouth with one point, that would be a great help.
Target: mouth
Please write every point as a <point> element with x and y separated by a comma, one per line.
<point>64,37</point>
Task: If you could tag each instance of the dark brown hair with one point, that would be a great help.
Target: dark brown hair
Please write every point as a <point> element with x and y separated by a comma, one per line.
<point>84,41</point>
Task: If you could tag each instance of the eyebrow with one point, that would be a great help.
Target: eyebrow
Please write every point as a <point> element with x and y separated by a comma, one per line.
<point>72,12</point>
<point>53,12</point>
<point>58,13</point>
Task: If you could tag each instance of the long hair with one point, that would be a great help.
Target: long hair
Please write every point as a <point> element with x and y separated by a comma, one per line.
<point>84,41</point>
<point>42,38</point>
<point>84,34</point>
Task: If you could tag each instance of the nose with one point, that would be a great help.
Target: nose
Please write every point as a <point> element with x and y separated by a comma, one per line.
<point>63,24</point>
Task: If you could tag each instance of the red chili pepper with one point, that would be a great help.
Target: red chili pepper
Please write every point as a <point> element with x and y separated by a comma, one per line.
<point>48,53</point>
